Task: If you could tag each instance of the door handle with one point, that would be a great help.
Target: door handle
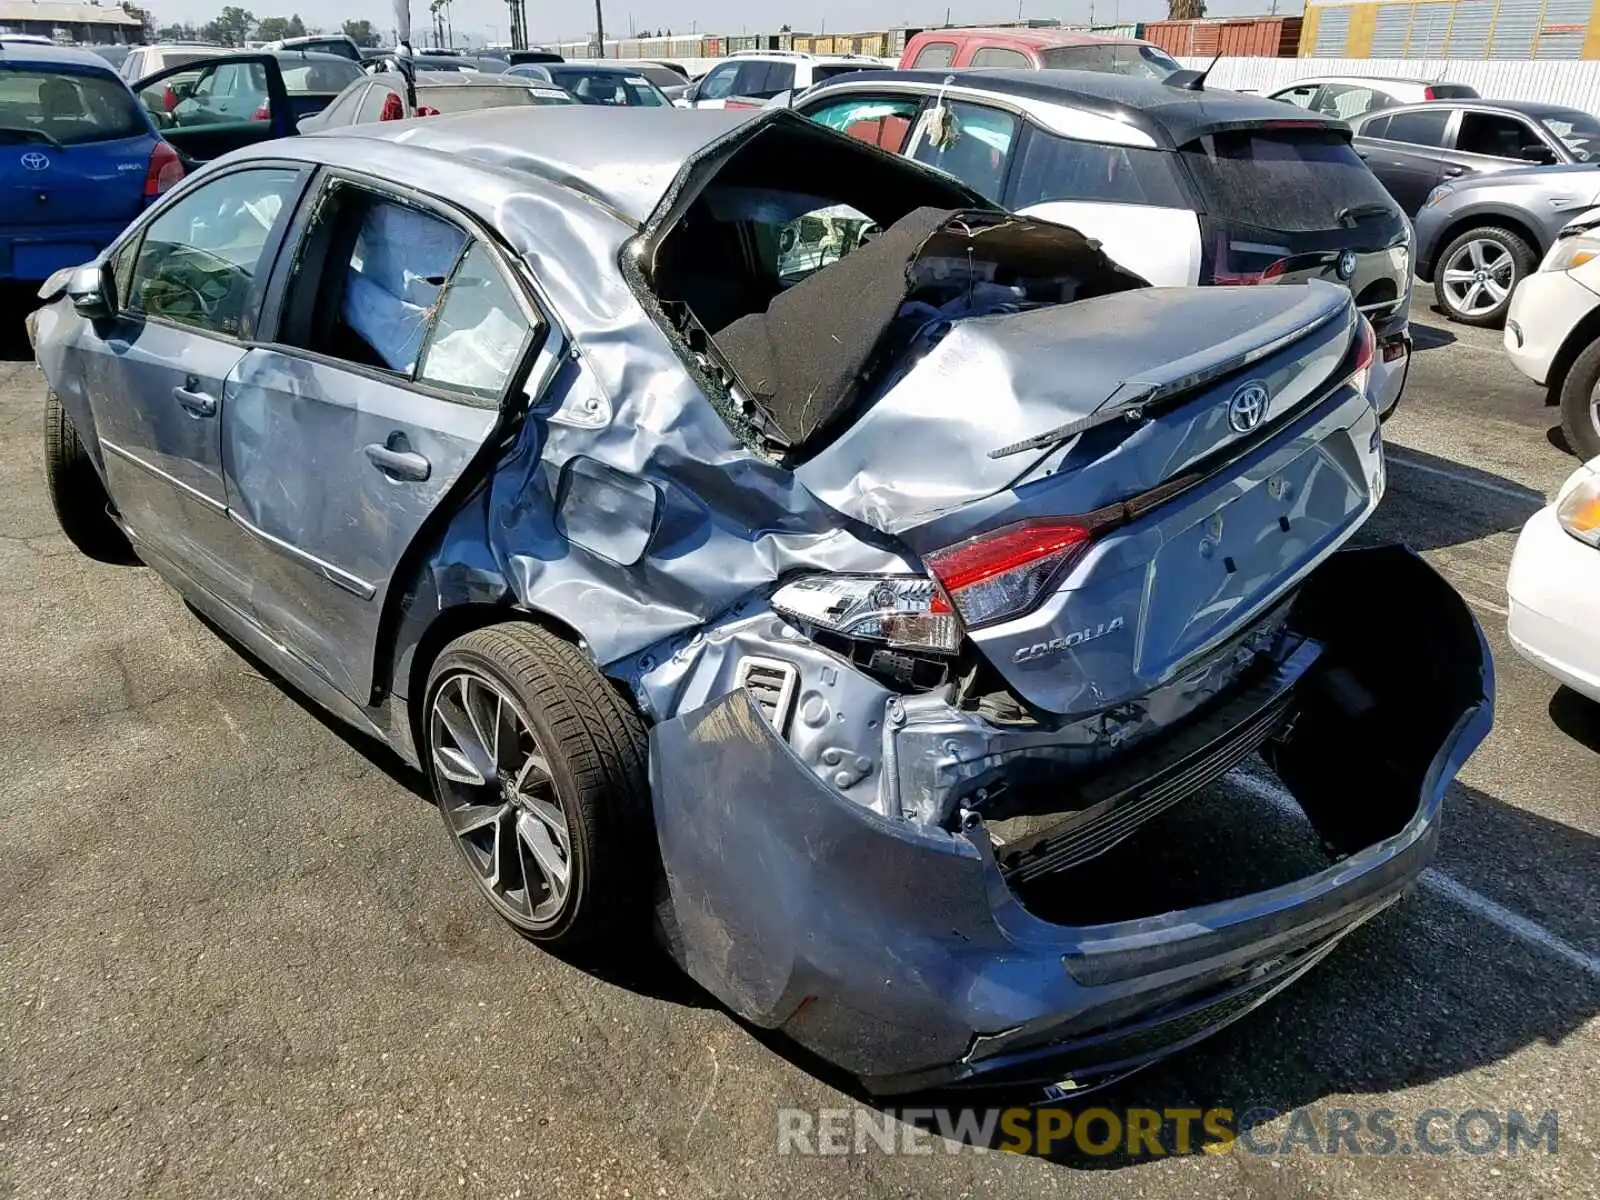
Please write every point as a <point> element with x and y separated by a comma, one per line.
<point>1361,154</point>
<point>195,401</point>
<point>399,464</point>
<point>1452,172</point>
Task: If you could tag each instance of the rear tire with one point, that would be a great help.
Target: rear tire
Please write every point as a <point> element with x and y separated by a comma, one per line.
<point>1580,405</point>
<point>76,491</point>
<point>539,770</point>
<point>1477,273</point>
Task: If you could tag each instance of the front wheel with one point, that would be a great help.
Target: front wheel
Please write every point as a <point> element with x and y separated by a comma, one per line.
<point>539,771</point>
<point>1580,404</point>
<point>76,491</point>
<point>1477,274</point>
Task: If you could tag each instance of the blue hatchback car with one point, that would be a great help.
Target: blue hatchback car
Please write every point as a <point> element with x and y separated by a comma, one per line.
<point>79,158</point>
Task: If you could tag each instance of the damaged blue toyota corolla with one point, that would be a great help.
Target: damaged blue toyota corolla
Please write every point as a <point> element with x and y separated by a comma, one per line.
<point>751,531</point>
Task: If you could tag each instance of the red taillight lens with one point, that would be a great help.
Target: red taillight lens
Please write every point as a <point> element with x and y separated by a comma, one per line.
<point>1366,346</point>
<point>427,110</point>
<point>393,110</point>
<point>165,169</point>
<point>1002,574</point>
<point>263,113</point>
<point>1225,278</point>
<point>1427,94</point>
<point>169,98</point>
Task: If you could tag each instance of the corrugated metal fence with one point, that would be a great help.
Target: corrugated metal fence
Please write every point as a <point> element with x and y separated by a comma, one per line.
<point>1575,83</point>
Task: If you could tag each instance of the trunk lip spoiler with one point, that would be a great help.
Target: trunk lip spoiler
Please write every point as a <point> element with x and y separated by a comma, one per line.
<point>1148,393</point>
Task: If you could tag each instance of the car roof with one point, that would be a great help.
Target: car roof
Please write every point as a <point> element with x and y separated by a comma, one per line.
<point>626,158</point>
<point>616,68</point>
<point>1171,116</point>
<point>1526,108</point>
<point>1294,83</point>
<point>39,54</point>
<point>1038,39</point>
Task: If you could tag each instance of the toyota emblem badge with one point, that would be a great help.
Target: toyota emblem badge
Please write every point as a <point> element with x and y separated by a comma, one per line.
<point>34,161</point>
<point>1248,406</point>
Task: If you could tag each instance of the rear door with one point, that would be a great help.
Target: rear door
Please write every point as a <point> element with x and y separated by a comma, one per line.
<point>74,159</point>
<point>397,334</point>
<point>1494,141</point>
<point>1405,149</point>
<point>215,105</point>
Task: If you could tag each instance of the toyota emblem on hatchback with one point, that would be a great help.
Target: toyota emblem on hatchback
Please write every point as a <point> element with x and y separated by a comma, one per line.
<point>1248,406</point>
<point>34,161</point>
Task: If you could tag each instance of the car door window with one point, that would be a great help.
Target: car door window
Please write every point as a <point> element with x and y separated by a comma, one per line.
<point>1300,97</point>
<point>718,85</point>
<point>999,56</point>
<point>764,80</point>
<point>1058,168</point>
<point>1344,101</point>
<point>880,121</point>
<point>1494,135</point>
<point>973,144</point>
<point>1420,127</point>
<point>480,333</point>
<point>367,275</point>
<point>198,261</point>
<point>936,54</point>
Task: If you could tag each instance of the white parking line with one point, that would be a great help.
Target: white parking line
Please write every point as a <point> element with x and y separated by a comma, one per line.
<point>1441,884</point>
<point>1498,489</point>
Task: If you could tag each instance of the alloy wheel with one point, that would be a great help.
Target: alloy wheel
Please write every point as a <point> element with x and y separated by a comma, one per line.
<point>1479,277</point>
<point>499,798</point>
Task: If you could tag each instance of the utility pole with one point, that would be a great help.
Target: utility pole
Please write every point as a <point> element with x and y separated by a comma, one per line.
<point>600,28</point>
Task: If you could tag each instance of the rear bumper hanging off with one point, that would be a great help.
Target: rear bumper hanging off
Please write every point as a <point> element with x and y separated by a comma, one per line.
<point>900,952</point>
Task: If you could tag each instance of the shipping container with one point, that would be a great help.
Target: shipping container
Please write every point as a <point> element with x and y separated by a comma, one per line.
<point>1249,37</point>
<point>1460,29</point>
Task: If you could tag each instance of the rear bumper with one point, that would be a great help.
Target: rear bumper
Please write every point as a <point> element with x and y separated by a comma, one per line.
<point>1553,586</point>
<point>899,952</point>
<point>30,253</point>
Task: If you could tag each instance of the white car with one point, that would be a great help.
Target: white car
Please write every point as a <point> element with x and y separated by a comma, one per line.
<point>1350,96</point>
<point>1553,330</point>
<point>1555,585</point>
<point>763,74</point>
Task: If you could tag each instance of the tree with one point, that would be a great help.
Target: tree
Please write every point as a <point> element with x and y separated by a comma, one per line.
<point>271,29</point>
<point>786,28</point>
<point>177,33</point>
<point>1185,10</point>
<point>361,33</point>
<point>234,25</point>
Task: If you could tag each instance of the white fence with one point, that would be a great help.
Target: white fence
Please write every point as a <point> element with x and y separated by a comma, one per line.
<point>1574,83</point>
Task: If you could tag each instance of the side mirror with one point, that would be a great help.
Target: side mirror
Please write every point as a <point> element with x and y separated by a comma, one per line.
<point>90,291</point>
<point>692,93</point>
<point>1537,152</point>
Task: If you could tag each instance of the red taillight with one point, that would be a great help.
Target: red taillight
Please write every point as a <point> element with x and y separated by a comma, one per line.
<point>1366,345</point>
<point>427,110</point>
<point>1223,278</point>
<point>393,110</point>
<point>1001,574</point>
<point>264,113</point>
<point>1428,94</point>
<point>165,169</point>
<point>169,99</point>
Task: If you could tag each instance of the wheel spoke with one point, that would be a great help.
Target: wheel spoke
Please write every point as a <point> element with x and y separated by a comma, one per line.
<point>1457,275</point>
<point>1470,304</point>
<point>485,723</point>
<point>470,818</point>
<point>534,775</point>
<point>1475,249</point>
<point>507,874</point>
<point>1497,291</point>
<point>552,863</point>
<point>470,763</point>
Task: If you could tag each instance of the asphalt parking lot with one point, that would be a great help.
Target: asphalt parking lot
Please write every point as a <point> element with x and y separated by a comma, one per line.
<point>237,956</point>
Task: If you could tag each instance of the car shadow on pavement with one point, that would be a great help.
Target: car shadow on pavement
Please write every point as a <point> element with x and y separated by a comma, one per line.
<point>1576,716</point>
<point>1439,985</point>
<point>16,302</point>
<point>1433,502</point>
<point>1430,337</point>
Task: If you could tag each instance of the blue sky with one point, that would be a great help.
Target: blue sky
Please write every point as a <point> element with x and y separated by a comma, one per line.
<point>551,22</point>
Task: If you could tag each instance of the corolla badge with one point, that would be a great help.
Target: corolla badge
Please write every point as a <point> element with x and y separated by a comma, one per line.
<point>34,161</point>
<point>1076,638</point>
<point>1248,406</point>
